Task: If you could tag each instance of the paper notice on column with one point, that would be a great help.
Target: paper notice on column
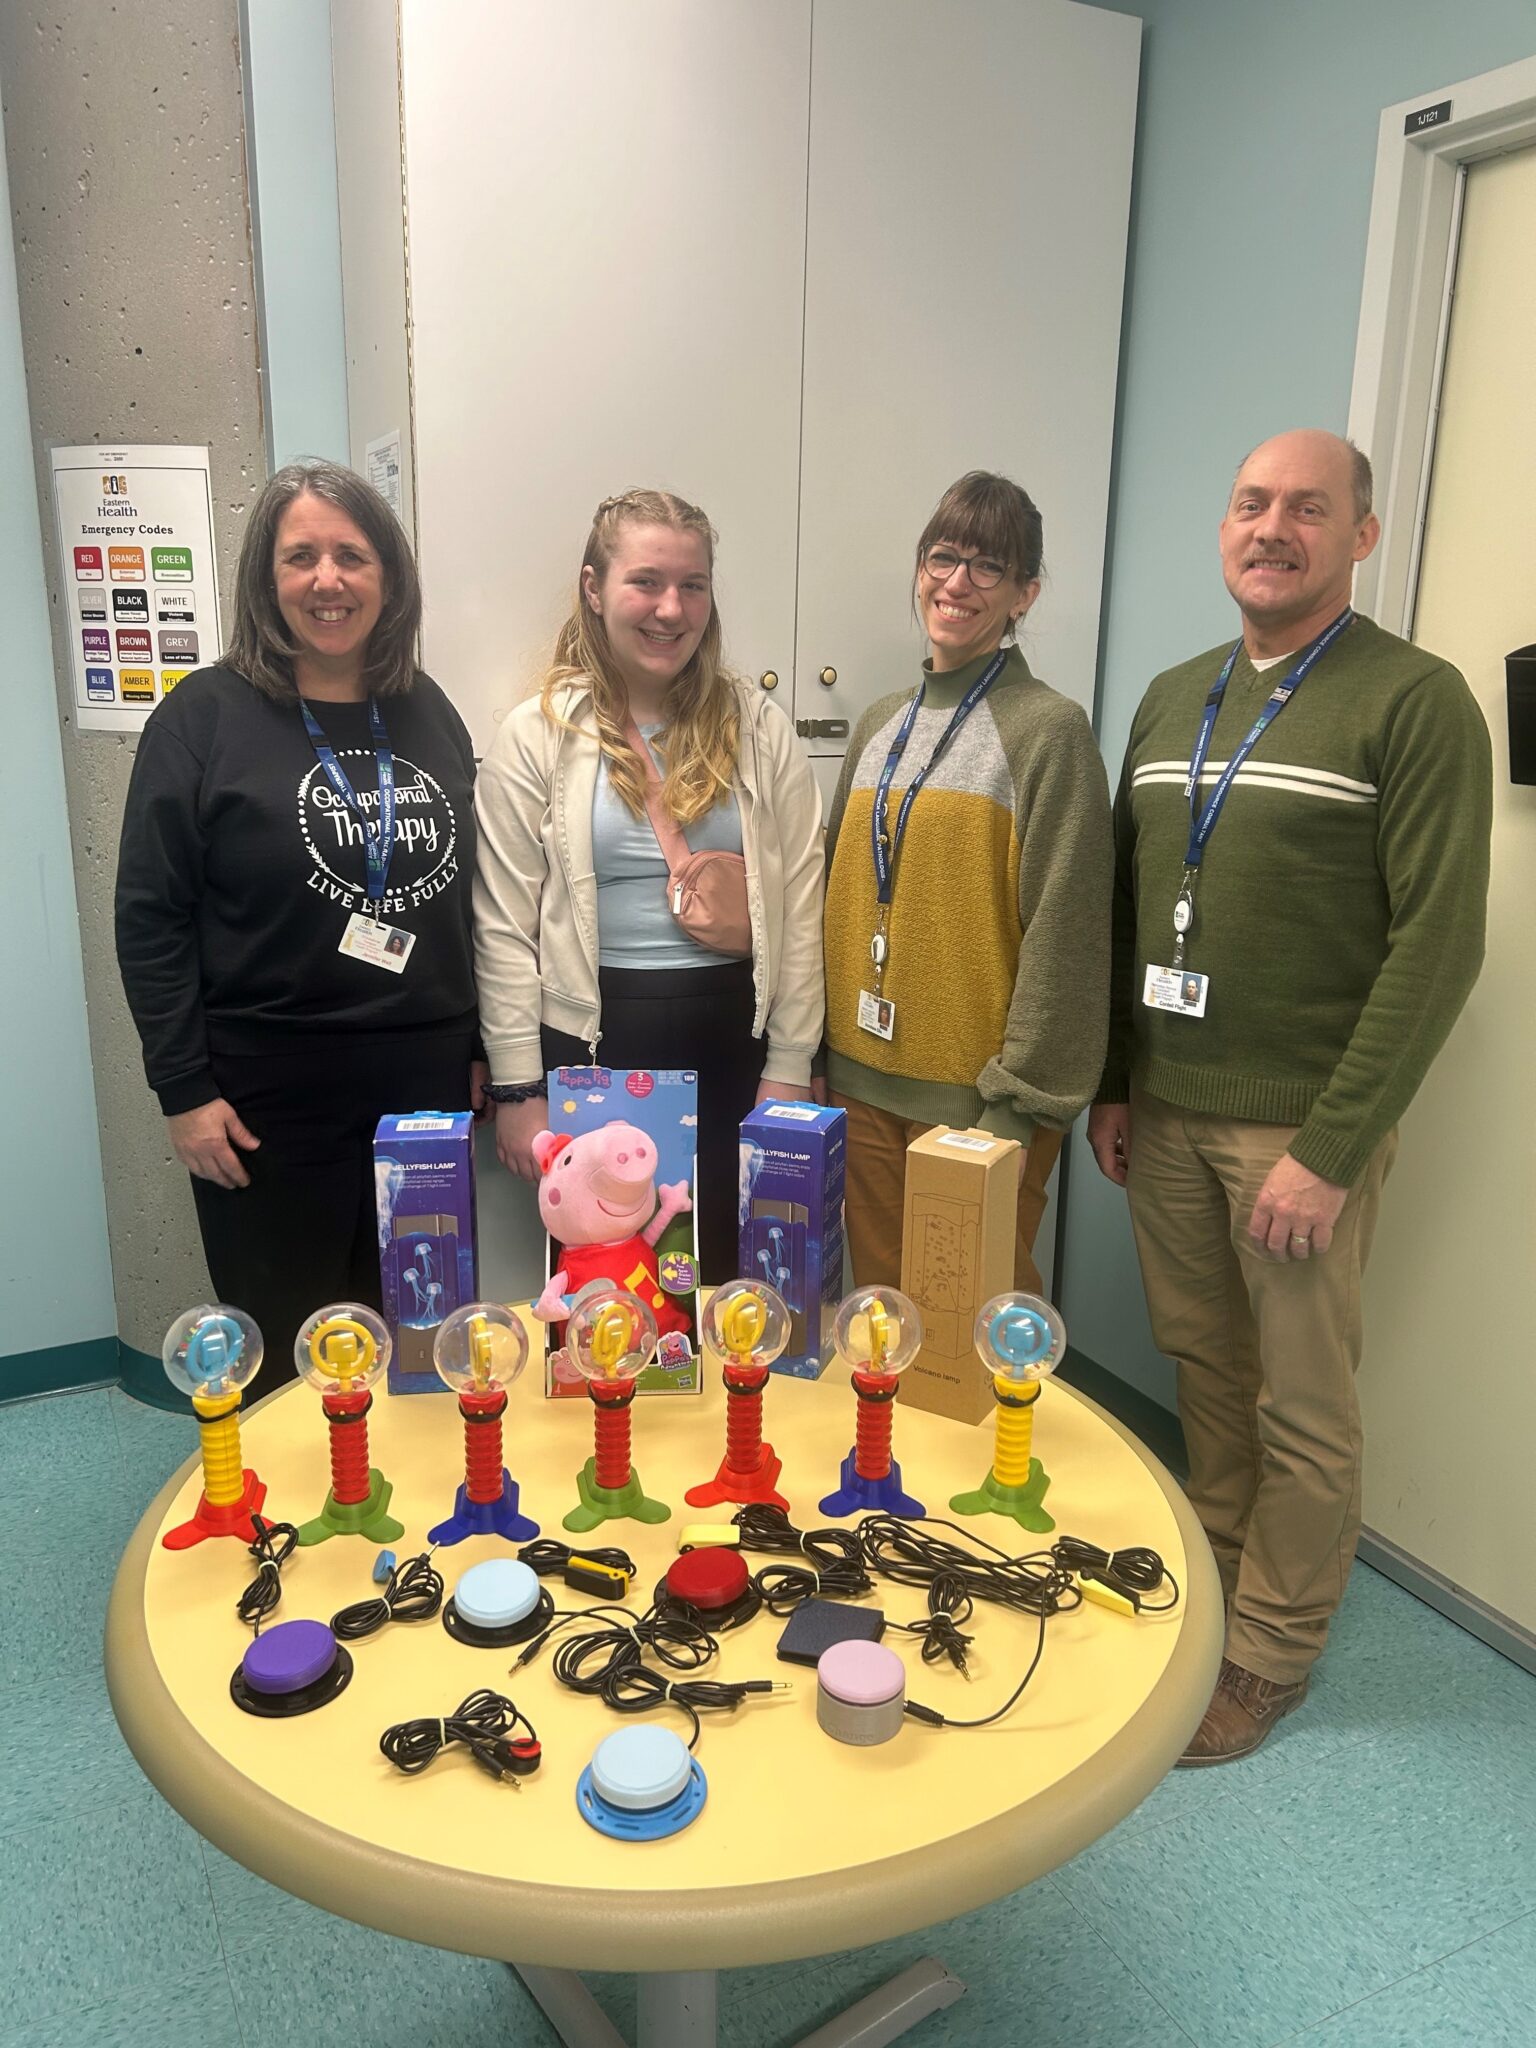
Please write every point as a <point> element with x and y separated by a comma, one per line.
<point>384,468</point>
<point>136,565</point>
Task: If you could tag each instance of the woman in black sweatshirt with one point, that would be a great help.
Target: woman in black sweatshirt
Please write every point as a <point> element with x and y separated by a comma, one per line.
<point>293,916</point>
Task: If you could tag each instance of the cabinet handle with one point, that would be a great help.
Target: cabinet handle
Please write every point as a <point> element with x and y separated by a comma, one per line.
<point>828,678</point>
<point>769,679</point>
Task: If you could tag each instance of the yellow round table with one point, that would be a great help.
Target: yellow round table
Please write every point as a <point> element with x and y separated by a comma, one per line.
<point>804,1845</point>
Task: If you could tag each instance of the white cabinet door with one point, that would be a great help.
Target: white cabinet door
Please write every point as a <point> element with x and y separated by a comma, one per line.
<point>970,176</point>
<point>607,243</point>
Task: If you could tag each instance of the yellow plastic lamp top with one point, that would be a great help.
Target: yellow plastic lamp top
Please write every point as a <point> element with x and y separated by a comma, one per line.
<point>1019,1337</point>
<point>211,1351</point>
<point>480,1348</point>
<point>746,1322</point>
<point>343,1348</point>
<point>611,1335</point>
<point>878,1330</point>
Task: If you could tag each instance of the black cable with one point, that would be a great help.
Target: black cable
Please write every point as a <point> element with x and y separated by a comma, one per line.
<point>1135,1572</point>
<point>907,1552</point>
<point>272,1549</point>
<point>412,1592</point>
<point>547,1556</point>
<point>606,1662</point>
<point>486,1724</point>
<point>831,1564</point>
<point>949,1604</point>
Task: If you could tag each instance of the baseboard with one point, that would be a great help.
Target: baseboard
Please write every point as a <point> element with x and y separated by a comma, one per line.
<point>1449,1599</point>
<point>143,1376</point>
<point>90,1363</point>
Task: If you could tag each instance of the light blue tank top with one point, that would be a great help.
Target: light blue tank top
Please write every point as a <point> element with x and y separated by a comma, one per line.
<point>635,927</point>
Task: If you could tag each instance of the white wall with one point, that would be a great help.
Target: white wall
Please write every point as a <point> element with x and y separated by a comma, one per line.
<point>291,159</point>
<point>55,1276</point>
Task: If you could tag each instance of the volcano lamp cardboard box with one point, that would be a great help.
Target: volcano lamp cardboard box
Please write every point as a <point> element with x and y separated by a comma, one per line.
<point>959,1220</point>
<point>790,1212</point>
<point>424,1192</point>
<point>622,1211</point>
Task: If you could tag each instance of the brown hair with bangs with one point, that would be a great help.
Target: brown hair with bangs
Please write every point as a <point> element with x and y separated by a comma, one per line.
<point>993,515</point>
<point>259,647</point>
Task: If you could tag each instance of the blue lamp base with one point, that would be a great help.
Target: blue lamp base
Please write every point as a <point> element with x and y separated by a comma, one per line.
<point>856,1496</point>
<point>499,1517</point>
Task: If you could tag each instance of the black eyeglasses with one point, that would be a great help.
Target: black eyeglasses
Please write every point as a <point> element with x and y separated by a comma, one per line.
<point>985,571</point>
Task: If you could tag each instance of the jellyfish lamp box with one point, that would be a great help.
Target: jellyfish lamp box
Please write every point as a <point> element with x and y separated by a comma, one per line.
<point>959,1224</point>
<point>424,1182</point>
<point>790,1212</point>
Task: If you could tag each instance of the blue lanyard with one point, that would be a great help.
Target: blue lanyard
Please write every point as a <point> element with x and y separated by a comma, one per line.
<point>378,838</point>
<point>888,846</point>
<point>1202,823</point>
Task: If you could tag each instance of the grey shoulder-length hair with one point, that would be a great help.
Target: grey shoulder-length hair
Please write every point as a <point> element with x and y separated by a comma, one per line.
<point>259,646</point>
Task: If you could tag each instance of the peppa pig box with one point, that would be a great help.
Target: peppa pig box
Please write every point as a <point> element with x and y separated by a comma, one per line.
<point>619,1156</point>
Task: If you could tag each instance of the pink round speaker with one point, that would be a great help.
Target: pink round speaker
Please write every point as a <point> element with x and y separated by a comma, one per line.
<point>861,1693</point>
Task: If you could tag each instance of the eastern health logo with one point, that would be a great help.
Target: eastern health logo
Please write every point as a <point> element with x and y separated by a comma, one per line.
<point>426,858</point>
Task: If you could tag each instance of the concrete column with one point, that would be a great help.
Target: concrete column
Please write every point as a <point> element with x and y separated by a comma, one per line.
<point>124,132</point>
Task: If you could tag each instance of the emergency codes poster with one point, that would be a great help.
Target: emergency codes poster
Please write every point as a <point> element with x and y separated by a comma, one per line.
<point>135,533</point>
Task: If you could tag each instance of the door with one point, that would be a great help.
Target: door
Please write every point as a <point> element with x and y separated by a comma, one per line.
<point>970,179</point>
<point>606,218</point>
<point>1448,1387</point>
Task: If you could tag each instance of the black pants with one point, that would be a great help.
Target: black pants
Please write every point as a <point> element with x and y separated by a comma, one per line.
<point>304,1232</point>
<point>699,1018</point>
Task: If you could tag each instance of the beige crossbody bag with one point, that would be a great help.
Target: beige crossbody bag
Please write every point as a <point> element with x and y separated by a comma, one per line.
<point>706,892</point>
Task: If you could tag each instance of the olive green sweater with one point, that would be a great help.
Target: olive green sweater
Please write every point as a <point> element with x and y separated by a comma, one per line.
<point>1339,910</point>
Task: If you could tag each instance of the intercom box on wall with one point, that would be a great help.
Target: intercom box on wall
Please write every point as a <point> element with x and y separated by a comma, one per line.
<point>959,1219</point>
<point>424,1192</point>
<point>790,1212</point>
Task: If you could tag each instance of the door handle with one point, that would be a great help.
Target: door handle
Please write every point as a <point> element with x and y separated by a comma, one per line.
<point>827,678</point>
<point>769,679</point>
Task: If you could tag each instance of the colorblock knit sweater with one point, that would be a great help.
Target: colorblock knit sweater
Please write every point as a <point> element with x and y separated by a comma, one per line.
<point>1340,906</point>
<point>999,924</point>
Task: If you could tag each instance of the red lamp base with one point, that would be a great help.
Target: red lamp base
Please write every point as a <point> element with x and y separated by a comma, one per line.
<point>233,1520</point>
<point>757,1484</point>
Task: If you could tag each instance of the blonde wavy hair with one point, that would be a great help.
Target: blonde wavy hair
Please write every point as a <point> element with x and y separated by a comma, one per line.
<point>703,715</point>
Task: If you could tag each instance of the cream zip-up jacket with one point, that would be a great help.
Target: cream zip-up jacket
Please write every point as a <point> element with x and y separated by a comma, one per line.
<point>535,891</point>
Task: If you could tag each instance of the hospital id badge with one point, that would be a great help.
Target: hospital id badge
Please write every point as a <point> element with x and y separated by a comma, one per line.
<point>379,945</point>
<point>877,1015</point>
<point>1176,990</point>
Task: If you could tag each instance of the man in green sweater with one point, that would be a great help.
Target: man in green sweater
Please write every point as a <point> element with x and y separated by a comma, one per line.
<point>1302,832</point>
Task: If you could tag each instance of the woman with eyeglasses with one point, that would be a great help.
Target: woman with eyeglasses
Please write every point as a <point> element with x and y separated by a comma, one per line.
<point>968,891</point>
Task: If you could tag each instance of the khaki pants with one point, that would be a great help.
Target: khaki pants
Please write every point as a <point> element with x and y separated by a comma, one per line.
<point>877,1180</point>
<point>1266,1355</point>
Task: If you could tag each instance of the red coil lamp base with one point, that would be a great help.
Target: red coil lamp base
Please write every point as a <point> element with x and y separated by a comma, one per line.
<point>208,1520</point>
<point>749,1471</point>
<point>358,1502</point>
<point>608,1483</point>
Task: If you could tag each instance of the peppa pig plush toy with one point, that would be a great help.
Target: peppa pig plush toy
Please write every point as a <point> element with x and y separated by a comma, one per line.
<point>599,1202</point>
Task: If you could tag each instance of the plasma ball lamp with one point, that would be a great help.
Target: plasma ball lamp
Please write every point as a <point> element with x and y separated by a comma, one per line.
<point>1020,1340</point>
<point>211,1354</point>
<point>480,1352</point>
<point>878,1332</point>
<point>342,1351</point>
<point>610,1338</point>
<point>747,1324</point>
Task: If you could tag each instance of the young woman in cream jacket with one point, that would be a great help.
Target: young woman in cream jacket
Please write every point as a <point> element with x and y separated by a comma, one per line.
<point>578,955</point>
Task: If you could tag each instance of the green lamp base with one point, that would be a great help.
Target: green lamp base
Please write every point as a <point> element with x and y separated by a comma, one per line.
<point>1021,1502</point>
<point>611,1503</point>
<point>364,1518</point>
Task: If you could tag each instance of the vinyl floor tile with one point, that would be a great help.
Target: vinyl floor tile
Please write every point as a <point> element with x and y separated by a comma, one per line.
<point>1230,1931</point>
<point>61,1753</point>
<point>53,1601</point>
<point>329,1980</point>
<point>1030,1955</point>
<point>1434,1857</point>
<point>1495,1978</point>
<point>254,1914</point>
<point>151,1442</point>
<point>100,1906</point>
<point>196,2013</point>
<point>1420,2011</point>
<point>53,1445</point>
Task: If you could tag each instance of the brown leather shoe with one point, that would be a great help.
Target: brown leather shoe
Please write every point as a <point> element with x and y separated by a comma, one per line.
<point>1243,1709</point>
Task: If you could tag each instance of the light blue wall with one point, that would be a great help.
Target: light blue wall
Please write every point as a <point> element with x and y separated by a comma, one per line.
<point>55,1274</point>
<point>1254,168</point>
<point>291,154</point>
